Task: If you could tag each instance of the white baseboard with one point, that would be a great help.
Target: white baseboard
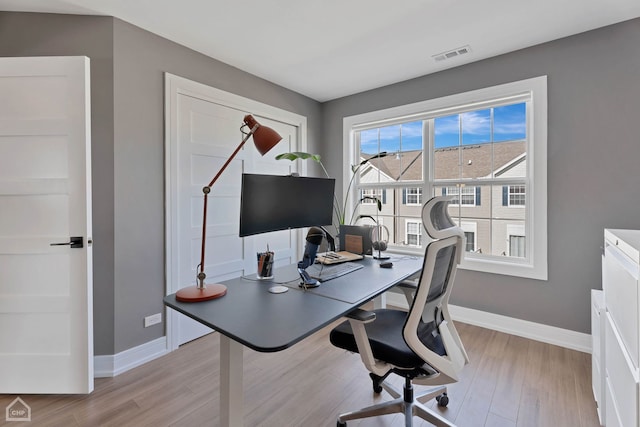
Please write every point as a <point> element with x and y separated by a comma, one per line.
<point>523,328</point>
<point>112,365</point>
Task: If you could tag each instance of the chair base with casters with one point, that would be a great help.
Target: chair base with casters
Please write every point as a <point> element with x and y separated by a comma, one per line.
<point>407,403</point>
<point>415,370</point>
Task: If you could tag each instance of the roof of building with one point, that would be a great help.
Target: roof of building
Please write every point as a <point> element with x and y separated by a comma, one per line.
<point>475,161</point>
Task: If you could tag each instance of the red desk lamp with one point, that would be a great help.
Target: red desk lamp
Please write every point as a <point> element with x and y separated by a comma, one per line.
<point>264,139</point>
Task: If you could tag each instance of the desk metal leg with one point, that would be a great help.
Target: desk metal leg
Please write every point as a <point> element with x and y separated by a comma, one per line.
<point>231,392</point>
<point>380,301</point>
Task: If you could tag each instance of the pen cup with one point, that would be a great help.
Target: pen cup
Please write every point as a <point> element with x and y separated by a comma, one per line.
<point>265,265</point>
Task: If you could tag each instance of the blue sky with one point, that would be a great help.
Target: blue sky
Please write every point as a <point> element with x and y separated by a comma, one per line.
<point>509,123</point>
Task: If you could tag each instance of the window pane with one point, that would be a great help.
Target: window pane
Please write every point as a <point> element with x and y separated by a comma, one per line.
<point>476,127</point>
<point>369,144</point>
<point>394,214</point>
<point>412,136</point>
<point>392,153</point>
<point>390,138</point>
<point>504,159</point>
<point>409,155</point>
<point>509,122</point>
<point>447,131</point>
<point>481,213</point>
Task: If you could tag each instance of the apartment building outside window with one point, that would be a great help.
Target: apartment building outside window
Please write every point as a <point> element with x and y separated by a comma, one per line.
<point>483,148</point>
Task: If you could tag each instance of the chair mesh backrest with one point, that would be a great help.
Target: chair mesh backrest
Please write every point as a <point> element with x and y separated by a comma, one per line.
<point>445,260</point>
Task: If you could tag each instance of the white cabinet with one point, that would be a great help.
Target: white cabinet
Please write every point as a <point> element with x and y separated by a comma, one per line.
<point>621,287</point>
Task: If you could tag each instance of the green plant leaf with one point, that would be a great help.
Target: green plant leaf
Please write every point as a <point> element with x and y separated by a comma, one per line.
<point>298,155</point>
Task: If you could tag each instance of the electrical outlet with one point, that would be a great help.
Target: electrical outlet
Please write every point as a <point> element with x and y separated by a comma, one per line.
<point>152,320</point>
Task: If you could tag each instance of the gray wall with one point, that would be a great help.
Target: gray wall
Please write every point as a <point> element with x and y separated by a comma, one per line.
<point>593,150</point>
<point>127,86</point>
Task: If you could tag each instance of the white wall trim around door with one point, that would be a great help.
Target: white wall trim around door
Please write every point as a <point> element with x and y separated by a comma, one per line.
<point>116,364</point>
<point>536,331</point>
<point>174,86</point>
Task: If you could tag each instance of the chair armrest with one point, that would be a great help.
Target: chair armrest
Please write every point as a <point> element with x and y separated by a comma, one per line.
<point>409,283</point>
<point>357,319</point>
<point>408,288</point>
<point>361,315</point>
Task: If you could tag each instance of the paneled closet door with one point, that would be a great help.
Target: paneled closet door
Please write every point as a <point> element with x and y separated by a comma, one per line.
<point>207,134</point>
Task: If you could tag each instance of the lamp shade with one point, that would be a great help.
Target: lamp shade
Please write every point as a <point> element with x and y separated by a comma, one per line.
<point>264,137</point>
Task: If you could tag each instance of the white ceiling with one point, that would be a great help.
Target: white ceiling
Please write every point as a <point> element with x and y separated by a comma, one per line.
<point>327,49</point>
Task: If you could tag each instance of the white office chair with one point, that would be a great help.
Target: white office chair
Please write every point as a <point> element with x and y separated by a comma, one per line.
<point>422,345</point>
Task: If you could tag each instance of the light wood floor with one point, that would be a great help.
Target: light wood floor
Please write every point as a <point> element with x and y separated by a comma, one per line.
<point>511,381</point>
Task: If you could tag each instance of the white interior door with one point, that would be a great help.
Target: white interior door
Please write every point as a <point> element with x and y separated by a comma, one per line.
<point>204,133</point>
<point>46,324</point>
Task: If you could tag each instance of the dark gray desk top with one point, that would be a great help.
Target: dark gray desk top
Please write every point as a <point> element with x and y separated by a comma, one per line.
<point>268,322</point>
<point>362,285</point>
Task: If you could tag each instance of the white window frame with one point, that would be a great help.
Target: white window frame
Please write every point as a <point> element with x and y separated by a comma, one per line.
<point>534,266</point>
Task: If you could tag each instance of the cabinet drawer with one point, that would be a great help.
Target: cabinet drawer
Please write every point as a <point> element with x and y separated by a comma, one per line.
<point>598,352</point>
<point>596,385</point>
<point>622,380</point>
<point>597,308</point>
<point>620,278</point>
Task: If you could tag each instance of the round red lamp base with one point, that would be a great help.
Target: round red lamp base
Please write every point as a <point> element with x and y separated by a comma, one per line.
<point>196,294</point>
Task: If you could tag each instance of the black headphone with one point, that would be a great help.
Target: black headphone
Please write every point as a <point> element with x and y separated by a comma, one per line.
<point>377,242</point>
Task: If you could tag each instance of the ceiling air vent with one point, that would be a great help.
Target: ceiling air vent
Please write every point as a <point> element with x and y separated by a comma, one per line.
<point>452,53</point>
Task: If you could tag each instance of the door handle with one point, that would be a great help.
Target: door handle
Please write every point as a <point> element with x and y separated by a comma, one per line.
<point>74,242</point>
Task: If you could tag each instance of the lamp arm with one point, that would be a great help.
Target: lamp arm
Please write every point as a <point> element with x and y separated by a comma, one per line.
<point>206,190</point>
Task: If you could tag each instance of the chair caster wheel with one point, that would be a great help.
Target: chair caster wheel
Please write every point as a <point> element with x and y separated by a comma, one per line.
<point>341,424</point>
<point>443,400</point>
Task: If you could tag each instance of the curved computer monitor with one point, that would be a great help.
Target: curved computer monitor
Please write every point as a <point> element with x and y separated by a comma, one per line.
<point>274,202</point>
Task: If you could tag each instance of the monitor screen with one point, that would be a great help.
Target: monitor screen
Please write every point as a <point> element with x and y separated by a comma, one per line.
<point>273,202</point>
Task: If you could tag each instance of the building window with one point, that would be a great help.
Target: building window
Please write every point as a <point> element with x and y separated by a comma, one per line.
<point>515,195</point>
<point>412,196</point>
<point>414,233</point>
<point>481,151</point>
<point>464,196</point>
<point>517,246</point>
